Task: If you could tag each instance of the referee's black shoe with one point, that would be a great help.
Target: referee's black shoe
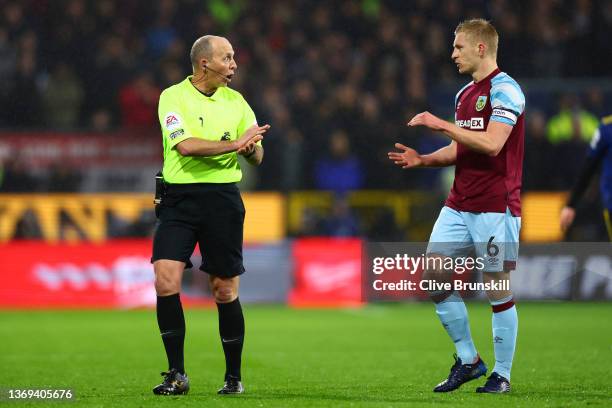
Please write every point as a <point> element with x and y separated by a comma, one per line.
<point>232,386</point>
<point>174,383</point>
<point>460,374</point>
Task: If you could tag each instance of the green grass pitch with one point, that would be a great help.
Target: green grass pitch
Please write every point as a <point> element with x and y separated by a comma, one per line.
<point>377,356</point>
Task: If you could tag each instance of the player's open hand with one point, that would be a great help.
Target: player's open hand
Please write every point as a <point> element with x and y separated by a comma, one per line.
<point>406,157</point>
<point>428,120</point>
<point>251,136</point>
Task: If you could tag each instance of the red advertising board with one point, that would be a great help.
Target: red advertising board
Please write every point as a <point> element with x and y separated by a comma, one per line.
<point>36,274</point>
<point>82,150</point>
<point>327,272</point>
<point>118,274</point>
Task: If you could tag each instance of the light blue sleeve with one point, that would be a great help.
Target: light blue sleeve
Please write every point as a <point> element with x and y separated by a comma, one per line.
<point>507,99</point>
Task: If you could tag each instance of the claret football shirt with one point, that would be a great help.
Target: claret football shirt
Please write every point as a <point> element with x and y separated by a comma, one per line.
<point>484,183</point>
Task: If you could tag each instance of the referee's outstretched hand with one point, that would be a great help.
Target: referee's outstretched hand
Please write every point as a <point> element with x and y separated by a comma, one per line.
<point>252,135</point>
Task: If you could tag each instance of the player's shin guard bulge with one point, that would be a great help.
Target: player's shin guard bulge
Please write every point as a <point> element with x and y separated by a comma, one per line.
<point>505,328</point>
<point>454,317</point>
<point>452,313</point>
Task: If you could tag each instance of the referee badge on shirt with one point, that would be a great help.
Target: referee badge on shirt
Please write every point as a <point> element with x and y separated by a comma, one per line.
<point>481,102</point>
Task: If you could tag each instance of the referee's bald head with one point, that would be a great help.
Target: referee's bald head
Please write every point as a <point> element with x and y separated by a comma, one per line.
<point>203,47</point>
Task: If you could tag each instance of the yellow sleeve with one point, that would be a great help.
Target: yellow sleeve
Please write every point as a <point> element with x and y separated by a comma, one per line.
<point>173,126</point>
<point>248,119</point>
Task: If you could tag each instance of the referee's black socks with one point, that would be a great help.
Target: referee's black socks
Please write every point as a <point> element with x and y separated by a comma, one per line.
<point>171,323</point>
<point>231,329</point>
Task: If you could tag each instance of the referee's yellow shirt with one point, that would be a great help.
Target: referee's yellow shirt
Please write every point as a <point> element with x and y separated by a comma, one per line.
<point>185,112</point>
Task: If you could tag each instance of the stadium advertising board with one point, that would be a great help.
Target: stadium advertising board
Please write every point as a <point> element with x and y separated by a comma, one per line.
<point>90,217</point>
<point>78,150</point>
<point>313,272</point>
<point>113,274</point>
<point>327,272</point>
<point>118,274</point>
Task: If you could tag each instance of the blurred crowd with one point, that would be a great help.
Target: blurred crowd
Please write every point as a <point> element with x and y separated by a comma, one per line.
<point>337,79</point>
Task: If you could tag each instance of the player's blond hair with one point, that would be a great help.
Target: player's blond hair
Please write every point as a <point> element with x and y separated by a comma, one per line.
<point>480,30</point>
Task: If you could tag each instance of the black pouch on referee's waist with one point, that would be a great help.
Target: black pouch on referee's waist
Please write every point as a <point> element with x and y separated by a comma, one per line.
<point>163,194</point>
<point>160,189</point>
<point>160,192</point>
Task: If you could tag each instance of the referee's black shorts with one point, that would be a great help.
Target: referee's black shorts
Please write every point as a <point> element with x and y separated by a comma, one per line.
<point>209,214</point>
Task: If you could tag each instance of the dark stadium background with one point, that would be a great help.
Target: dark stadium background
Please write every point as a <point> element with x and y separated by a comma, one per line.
<point>337,80</point>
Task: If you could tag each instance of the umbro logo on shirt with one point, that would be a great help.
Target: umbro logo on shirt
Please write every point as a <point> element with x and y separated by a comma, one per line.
<point>226,136</point>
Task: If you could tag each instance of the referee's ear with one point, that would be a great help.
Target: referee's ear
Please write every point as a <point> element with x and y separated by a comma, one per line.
<point>203,64</point>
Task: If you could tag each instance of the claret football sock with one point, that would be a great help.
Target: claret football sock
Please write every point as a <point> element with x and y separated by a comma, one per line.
<point>505,327</point>
<point>171,323</point>
<point>453,315</point>
<point>231,330</point>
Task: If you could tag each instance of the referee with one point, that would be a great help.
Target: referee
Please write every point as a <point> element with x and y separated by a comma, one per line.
<point>205,125</point>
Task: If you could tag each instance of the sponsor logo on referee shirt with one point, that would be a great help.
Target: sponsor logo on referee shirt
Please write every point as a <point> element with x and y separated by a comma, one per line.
<point>172,121</point>
<point>176,134</point>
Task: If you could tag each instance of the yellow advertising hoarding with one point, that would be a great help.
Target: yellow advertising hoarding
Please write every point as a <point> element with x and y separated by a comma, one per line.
<point>77,217</point>
<point>540,216</point>
<point>270,215</point>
